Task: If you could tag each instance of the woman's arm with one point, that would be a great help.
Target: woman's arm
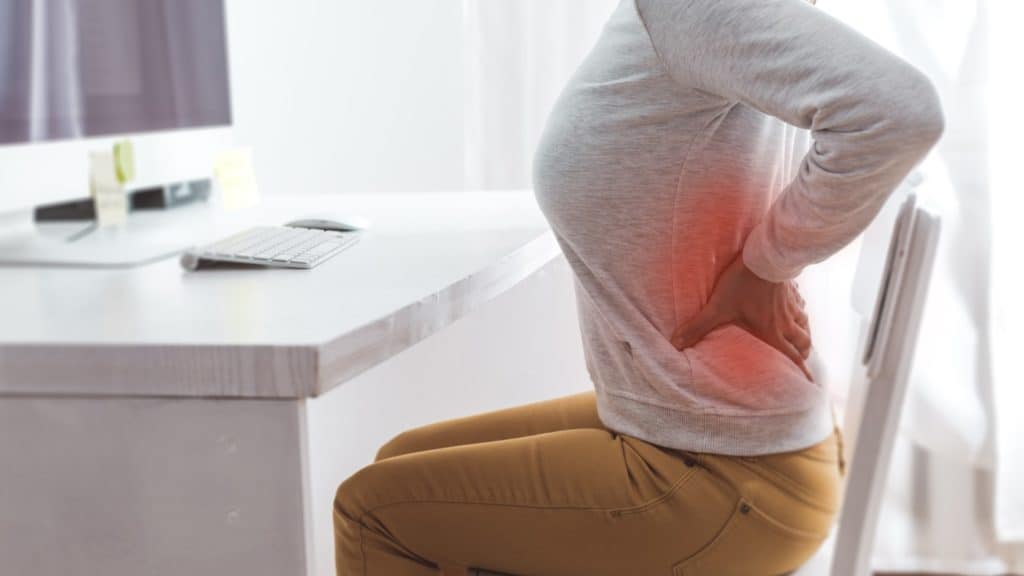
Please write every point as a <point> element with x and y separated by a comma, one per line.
<point>872,116</point>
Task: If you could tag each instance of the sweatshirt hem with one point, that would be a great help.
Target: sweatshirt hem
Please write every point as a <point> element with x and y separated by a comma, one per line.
<point>751,434</point>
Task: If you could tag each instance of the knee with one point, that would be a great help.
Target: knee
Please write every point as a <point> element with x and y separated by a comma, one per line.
<point>403,443</point>
<point>387,450</point>
<point>351,497</point>
<point>345,500</point>
<point>374,485</point>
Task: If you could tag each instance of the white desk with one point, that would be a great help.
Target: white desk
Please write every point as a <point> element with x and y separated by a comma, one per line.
<point>157,330</point>
<point>158,421</point>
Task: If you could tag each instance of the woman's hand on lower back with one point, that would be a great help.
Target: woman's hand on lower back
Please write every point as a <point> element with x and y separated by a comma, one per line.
<point>771,311</point>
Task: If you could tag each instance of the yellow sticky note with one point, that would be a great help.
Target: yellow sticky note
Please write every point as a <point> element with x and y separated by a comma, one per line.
<point>108,194</point>
<point>233,172</point>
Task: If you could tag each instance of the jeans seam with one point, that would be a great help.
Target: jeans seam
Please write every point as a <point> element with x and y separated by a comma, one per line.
<point>678,567</point>
<point>362,545</point>
<point>681,567</point>
<point>603,509</point>
<point>823,459</point>
<point>688,474</point>
<point>790,486</point>
<point>482,503</point>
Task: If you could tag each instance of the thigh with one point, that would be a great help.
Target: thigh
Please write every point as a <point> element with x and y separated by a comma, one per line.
<point>565,413</point>
<point>579,501</point>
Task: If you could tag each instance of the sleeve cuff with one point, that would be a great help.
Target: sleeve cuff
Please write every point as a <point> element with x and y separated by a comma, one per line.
<point>761,259</point>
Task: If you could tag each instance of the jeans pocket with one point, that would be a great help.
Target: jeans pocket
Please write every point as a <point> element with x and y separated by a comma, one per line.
<point>751,544</point>
<point>811,476</point>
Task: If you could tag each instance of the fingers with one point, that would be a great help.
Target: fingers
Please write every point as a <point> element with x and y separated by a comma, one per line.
<point>794,296</point>
<point>787,348</point>
<point>800,317</point>
<point>800,339</point>
<point>794,289</point>
<point>799,332</point>
<point>807,371</point>
<point>693,331</point>
<point>773,312</point>
<point>797,335</point>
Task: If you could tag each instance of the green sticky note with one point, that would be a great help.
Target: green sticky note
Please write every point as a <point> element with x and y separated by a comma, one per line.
<point>124,161</point>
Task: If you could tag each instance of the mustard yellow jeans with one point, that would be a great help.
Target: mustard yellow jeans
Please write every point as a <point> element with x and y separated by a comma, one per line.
<point>545,489</point>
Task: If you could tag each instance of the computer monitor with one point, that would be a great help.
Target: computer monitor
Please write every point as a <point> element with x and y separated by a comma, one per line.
<point>78,75</point>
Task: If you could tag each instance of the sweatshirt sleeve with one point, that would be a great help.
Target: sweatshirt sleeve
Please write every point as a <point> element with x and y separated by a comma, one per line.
<point>871,115</point>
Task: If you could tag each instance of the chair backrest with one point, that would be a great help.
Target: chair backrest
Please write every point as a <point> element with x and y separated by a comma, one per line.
<point>876,394</point>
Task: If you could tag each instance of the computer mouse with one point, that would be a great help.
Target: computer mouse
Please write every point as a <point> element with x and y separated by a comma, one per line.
<point>350,225</point>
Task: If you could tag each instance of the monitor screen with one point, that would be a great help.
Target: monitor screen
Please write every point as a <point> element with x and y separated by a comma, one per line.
<point>85,68</point>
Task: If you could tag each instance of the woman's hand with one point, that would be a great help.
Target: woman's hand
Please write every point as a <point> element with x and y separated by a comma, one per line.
<point>773,312</point>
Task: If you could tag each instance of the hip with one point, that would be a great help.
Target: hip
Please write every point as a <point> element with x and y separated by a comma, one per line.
<point>783,507</point>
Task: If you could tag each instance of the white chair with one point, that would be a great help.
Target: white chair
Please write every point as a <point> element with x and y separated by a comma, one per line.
<point>876,394</point>
<point>877,391</point>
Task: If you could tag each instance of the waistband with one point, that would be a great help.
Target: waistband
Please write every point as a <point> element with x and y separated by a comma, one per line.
<point>691,458</point>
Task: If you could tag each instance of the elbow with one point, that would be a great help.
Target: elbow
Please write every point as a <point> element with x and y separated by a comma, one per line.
<point>919,120</point>
<point>929,122</point>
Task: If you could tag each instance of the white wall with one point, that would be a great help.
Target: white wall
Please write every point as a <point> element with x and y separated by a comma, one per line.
<point>341,96</point>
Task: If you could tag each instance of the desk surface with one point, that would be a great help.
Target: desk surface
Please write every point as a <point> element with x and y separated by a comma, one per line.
<point>156,330</point>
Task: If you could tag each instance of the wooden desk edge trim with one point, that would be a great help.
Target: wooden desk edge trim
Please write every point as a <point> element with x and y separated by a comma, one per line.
<point>259,371</point>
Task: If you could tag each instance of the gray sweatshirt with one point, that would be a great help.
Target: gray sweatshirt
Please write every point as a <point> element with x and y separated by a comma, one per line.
<point>680,143</point>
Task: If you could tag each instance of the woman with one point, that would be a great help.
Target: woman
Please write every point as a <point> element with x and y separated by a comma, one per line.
<point>672,173</point>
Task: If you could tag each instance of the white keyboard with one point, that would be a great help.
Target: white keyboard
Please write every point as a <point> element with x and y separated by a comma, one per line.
<point>278,246</point>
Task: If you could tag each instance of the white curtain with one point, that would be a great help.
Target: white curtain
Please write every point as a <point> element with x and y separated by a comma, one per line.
<point>518,54</point>
<point>945,509</point>
<point>42,57</point>
<point>1003,101</point>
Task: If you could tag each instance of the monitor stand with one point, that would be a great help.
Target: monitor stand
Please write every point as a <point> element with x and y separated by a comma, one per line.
<point>95,253</point>
<point>24,242</point>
